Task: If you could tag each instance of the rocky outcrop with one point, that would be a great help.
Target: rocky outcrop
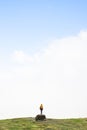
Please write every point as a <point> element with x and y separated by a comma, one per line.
<point>40,117</point>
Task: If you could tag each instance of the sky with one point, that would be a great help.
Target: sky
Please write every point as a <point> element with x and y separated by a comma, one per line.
<point>43,58</point>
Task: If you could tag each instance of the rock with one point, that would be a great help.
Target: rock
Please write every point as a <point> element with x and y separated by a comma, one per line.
<point>40,117</point>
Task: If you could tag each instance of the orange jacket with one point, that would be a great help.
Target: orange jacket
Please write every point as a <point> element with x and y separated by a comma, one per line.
<point>41,107</point>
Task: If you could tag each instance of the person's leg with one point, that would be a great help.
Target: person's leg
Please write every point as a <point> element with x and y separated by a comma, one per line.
<point>41,111</point>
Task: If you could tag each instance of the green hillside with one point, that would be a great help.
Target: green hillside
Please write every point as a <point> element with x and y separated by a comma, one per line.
<point>49,124</point>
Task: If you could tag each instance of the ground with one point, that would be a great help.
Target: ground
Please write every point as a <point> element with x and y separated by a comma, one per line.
<point>49,124</point>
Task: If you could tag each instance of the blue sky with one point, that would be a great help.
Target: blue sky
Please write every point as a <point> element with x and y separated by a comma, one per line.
<point>30,24</point>
<point>43,58</point>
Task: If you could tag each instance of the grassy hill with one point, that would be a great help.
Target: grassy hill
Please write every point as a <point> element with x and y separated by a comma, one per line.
<point>49,124</point>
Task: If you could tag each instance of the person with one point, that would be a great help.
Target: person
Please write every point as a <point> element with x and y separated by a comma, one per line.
<point>41,108</point>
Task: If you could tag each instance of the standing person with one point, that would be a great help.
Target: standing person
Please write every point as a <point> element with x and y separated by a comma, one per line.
<point>41,108</point>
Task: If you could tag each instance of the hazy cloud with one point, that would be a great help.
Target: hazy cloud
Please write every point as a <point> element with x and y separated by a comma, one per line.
<point>56,77</point>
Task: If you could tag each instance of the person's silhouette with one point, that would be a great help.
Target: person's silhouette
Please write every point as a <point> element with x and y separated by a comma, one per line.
<point>41,108</point>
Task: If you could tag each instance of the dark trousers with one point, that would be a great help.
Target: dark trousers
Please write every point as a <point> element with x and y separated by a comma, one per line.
<point>41,111</point>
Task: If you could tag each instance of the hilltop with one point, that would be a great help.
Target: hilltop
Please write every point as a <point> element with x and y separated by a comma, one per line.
<point>49,124</point>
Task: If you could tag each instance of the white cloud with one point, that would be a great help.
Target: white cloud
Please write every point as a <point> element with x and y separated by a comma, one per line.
<point>56,77</point>
<point>21,57</point>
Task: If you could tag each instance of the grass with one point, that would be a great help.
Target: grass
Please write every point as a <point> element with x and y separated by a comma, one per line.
<point>49,124</point>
